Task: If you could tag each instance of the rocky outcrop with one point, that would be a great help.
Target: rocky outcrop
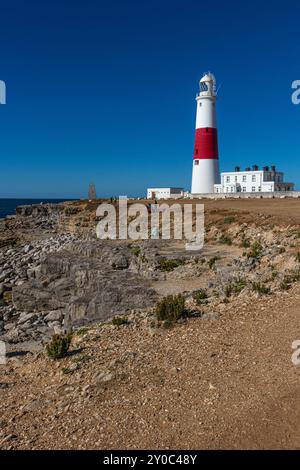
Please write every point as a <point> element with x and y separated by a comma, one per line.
<point>61,282</point>
<point>86,288</point>
<point>73,217</point>
<point>54,273</point>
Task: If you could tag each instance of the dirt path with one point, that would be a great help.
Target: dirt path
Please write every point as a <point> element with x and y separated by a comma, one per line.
<point>223,383</point>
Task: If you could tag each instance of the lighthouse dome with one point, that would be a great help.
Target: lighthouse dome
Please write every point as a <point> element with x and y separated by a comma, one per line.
<point>206,78</point>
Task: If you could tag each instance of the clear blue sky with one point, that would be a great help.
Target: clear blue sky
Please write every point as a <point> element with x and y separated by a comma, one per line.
<point>105,91</point>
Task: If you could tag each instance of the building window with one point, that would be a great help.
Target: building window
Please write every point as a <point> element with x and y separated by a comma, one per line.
<point>244,178</point>
<point>227,179</point>
<point>259,188</point>
<point>235,178</point>
<point>196,162</point>
<point>253,178</point>
<point>244,189</point>
<point>253,188</point>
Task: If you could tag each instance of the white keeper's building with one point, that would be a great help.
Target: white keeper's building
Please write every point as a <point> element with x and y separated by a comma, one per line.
<point>164,193</point>
<point>252,181</point>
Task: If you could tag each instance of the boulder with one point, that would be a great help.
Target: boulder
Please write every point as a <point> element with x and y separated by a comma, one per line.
<point>55,315</point>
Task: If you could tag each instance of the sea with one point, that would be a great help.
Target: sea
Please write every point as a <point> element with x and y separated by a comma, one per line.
<point>8,206</point>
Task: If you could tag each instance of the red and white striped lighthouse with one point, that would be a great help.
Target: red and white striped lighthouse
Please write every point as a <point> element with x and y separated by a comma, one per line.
<point>206,158</point>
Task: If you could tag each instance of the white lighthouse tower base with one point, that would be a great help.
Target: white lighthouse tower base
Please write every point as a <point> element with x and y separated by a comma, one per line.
<point>205,174</point>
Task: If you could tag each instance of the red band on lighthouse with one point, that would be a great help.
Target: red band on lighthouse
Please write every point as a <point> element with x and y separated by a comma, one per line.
<point>206,143</point>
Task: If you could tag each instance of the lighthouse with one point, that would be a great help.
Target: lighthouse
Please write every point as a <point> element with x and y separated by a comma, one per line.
<point>206,158</point>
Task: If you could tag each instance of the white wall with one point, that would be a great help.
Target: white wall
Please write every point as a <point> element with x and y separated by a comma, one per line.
<point>206,112</point>
<point>205,175</point>
<point>249,181</point>
<point>164,193</point>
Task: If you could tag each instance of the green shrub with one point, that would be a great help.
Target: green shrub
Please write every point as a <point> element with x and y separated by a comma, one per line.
<point>245,243</point>
<point>260,288</point>
<point>296,275</point>
<point>284,285</point>
<point>59,346</point>
<point>225,240</point>
<point>171,308</point>
<point>136,250</point>
<point>199,296</point>
<point>293,276</point>
<point>81,331</point>
<point>118,321</point>
<point>255,250</point>
<point>229,219</point>
<point>235,286</point>
<point>168,265</point>
<point>273,275</point>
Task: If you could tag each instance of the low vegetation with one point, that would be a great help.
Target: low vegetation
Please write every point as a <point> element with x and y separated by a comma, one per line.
<point>273,275</point>
<point>171,308</point>
<point>235,287</point>
<point>168,265</point>
<point>260,288</point>
<point>136,250</point>
<point>225,240</point>
<point>229,219</point>
<point>119,321</point>
<point>200,296</point>
<point>284,285</point>
<point>81,331</point>
<point>245,243</point>
<point>255,250</point>
<point>59,346</point>
<point>292,276</point>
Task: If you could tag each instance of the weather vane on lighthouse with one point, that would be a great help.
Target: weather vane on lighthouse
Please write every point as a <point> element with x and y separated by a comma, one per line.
<point>206,157</point>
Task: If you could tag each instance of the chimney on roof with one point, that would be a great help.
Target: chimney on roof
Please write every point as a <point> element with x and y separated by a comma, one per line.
<point>273,167</point>
<point>254,167</point>
<point>266,168</point>
<point>247,168</point>
<point>237,168</point>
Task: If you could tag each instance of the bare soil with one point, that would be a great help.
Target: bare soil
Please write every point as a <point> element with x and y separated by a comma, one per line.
<point>225,380</point>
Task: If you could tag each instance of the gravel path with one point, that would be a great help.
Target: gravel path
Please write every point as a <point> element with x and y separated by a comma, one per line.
<point>223,383</point>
